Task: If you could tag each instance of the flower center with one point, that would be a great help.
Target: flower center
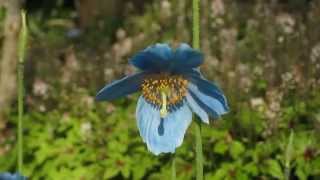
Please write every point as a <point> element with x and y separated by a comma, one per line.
<point>164,91</point>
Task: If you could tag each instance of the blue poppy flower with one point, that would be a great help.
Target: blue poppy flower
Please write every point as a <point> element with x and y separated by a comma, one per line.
<point>9,176</point>
<point>172,88</point>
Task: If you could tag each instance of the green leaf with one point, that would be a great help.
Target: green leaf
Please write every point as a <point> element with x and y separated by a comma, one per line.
<point>110,172</point>
<point>221,147</point>
<point>236,149</point>
<point>251,168</point>
<point>241,176</point>
<point>274,169</point>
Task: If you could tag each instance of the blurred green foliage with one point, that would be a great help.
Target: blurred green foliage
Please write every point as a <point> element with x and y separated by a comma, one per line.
<point>265,55</point>
<point>82,141</point>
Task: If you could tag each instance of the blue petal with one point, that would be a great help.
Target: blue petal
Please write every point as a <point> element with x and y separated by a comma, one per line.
<point>153,58</point>
<point>208,88</point>
<point>186,58</point>
<point>9,176</point>
<point>212,105</point>
<point>120,88</point>
<point>197,109</point>
<point>162,135</point>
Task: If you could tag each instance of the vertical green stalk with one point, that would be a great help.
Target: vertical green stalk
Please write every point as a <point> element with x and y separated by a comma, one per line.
<point>199,155</point>
<point>196,45</point>
<point>173,169</point>
<point>21,54</point>
<point>196,24</point>
<point>288,156</point>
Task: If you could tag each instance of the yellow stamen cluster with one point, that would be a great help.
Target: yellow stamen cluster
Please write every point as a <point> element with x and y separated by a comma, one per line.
<point>164,90</point>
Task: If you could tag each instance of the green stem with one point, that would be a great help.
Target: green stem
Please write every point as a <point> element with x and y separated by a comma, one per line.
<point>20,116</point>
<point>196,24</point>
<point>21,54</point>
<point>199,154</point>
<point>173,169</point>
<point>196,45</point>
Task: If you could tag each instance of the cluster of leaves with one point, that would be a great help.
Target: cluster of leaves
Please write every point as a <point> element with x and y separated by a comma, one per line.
<point>245,153</point>
<point>82,141</point>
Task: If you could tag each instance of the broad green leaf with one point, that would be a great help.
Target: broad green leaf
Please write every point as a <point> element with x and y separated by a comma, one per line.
<point>220,147</point>
<point>236,149</point>
<point>274,169</point>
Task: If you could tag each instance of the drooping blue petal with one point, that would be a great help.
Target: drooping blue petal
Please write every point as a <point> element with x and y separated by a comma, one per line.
<point>212,105</point>
<point>9,176</point>
<point>162,135</point>
<point>207,88</point>
<point>153,58</point>
<point>122,87</point>
<point>186,58</point>
<point>197,109</point>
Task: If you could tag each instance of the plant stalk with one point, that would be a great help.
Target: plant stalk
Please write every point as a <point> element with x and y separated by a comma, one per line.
<point>199,153</point>
<point>21,55</point>
<point>173,169</point>
<point>196,24</point>
<point>196,45</point>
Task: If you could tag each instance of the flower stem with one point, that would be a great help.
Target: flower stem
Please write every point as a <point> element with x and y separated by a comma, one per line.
<point>173,168</point>
<point>196,24</point>
<point>196,45</point>
<point>199,155</point>
<point>21,54</point>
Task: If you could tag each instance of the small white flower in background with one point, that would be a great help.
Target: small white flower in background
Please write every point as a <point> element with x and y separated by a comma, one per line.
<point>121,34</point>
<point>126,46</point>
<point>87,101</point>
<point>286,22</point>
<point>40,88</point>
<point>42,108</point>
<point>166,9</point>
<point>245,83</point>
<point>123,46</point>
<point>286,77</point>
<point>243,68</point>
<point>108,74</point>
<point>231,74</point>
<point>258,70</point>
<point>257,103</point>
<point>315,54</point>
<point>85,129</point>
<point>212,61</point>
<point>280,39</point>
<point>110,108</point>
<point>217,8</point>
